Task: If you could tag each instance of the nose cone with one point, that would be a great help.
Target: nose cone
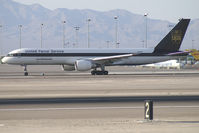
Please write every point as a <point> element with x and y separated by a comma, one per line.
<point>4,60</point>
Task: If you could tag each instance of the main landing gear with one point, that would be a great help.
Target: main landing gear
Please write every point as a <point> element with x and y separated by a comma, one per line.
<point>99,72</point>
<point>102,72</point>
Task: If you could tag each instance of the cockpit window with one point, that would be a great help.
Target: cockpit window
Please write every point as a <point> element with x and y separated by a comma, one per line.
<point>9,55</point>
<point>16,54</point>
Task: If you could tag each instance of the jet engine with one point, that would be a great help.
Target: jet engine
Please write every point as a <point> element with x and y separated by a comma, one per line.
<point>68,68</point>
<point>83,65</point>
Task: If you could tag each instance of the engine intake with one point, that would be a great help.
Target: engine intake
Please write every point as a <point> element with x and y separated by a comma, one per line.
<point>83,65</point>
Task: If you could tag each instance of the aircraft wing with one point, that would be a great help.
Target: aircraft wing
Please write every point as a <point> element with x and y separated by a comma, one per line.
<point>110,59</point>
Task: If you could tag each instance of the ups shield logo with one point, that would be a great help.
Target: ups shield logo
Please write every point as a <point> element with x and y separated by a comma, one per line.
<point>176,36</point>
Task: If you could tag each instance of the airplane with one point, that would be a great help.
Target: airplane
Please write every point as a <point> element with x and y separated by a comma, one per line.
<point>92,58</point>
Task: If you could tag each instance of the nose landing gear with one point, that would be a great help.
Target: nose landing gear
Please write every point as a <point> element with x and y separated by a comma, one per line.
<point>25,70</point>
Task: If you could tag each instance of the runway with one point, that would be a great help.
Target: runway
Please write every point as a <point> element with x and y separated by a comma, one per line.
<point>128,81</point>
<point>79,102</point>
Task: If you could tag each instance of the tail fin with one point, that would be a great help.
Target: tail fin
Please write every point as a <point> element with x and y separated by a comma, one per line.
<point>172,41</point>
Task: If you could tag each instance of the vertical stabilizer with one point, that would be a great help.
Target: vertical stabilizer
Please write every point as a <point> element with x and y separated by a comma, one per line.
<point>172,41</point>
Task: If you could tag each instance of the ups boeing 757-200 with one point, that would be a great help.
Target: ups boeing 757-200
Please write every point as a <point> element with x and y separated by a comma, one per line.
<point>92,59</point>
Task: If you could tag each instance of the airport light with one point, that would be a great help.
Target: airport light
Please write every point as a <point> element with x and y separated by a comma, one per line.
<point>116,32</point>
<point>193,44</point>
<point>73,45</point>
<point>107,44</point>
<point>76,33</point>
<point>145,15</point>
<point>41,34</point>
<point>170,25</point>
<point>142,43</point>
<point>88,20</point>
<point>1,46</point>
<point>64,22</point>
<point>20,27</point>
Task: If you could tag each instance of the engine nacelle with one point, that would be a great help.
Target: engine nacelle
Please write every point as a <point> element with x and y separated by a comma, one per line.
<point>83,65</point>
<point>68,68</point>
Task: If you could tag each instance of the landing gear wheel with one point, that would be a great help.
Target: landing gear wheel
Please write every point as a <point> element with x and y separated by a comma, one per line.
<point>105,72</point>
<point>25,73</point>
<point>93,72</point>
<point>99,72</point>
<point>102,72</point>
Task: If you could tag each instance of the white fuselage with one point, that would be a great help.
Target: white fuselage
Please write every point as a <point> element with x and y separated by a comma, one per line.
<point>30,56</point>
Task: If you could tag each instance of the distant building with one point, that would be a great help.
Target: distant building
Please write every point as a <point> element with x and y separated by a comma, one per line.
<point>171,64</point>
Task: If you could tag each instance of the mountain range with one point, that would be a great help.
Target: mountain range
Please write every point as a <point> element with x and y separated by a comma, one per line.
<point>102,28</point>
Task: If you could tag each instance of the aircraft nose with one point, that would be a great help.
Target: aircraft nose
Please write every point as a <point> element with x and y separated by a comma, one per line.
<point>4,60</point>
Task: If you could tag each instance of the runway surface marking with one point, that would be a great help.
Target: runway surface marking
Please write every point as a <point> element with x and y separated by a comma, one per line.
<point>90,108</point>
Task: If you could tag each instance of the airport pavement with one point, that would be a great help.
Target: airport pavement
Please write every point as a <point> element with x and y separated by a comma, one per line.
<point>111,104</point>
<point>58,84</point>
<point>178,117</point>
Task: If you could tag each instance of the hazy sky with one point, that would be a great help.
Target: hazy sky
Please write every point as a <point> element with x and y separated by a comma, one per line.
<point>170,10</point>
